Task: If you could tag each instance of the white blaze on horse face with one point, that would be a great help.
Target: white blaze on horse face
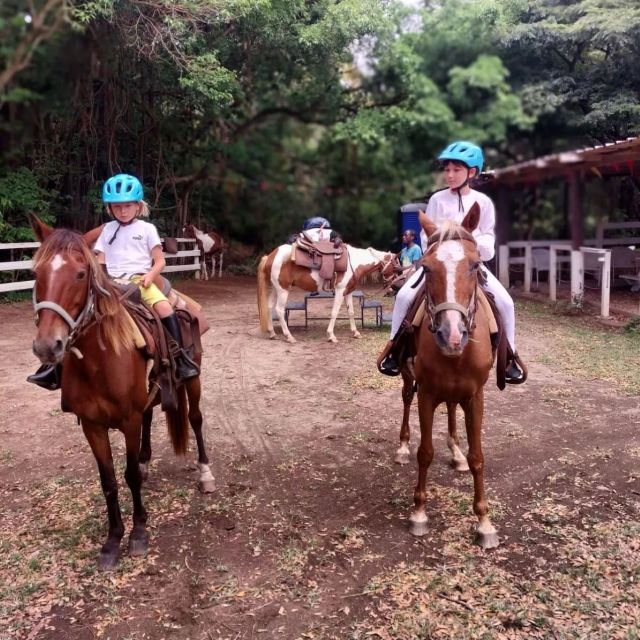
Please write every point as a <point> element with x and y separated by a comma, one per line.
<point>451,253</point>
<point>57,262</point>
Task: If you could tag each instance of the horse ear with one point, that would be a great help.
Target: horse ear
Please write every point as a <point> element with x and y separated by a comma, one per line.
<point>472,218</point>
<point>40,229</point>
<point>426,223</point>
<point>91,236</point>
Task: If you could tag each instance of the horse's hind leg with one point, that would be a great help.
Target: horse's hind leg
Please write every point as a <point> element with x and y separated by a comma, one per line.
<point>352,316</point>
<point>486,535</point>
<point>145,444</point>
<point>281,303</point>
<point>98,437</point>
<point>139,537</point>
<point>271,305</point>
<point>403,452</point>
<point>206,482</point>
<point>458,461</point>
<point>220,265</point>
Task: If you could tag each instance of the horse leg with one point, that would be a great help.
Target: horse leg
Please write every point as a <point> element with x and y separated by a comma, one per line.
<point>206,483</point>
<point>220,265</point>
<point>403,452</point>
<point>271,305</point>
<point>281,303</point>
<point>139,537</point>
<point>213,266</point>
<point>337,303</point>
<point>418,518</point>
<point>98,437</point>
<point>352,319</point>
<point>458,461</point>
<point>486,535</point>
<point>145,444</point>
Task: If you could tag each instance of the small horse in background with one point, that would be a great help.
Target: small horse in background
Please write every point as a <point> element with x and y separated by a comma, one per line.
<point>211,247</point>
<point>453,359</point>
<point>278,269</point>
<point>82,324</point>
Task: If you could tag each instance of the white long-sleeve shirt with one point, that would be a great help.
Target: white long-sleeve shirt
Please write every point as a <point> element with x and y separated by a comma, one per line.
<point>443,205</point>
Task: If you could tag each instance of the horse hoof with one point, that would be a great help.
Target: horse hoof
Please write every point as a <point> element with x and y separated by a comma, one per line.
<point>144,470</point>
<point>291,340</point>
<point>460,465</point>
<point>332,339</point>
<point>272,336</point>
<point>139,546</point>
<point>487,540</point>
<point>108,561</point>
<point>357,334</point>
<point>418,528</point>
<point>401,457</point>
<point>207,486</point>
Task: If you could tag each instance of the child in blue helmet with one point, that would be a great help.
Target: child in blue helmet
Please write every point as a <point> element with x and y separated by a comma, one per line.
<point>461,162</point>
<point>131,249</point>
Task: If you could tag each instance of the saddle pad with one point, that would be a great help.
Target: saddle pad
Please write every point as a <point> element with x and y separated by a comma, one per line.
<point>138,338</point>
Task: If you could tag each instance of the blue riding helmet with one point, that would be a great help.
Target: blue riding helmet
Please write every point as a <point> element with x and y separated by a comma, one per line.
<point>316,223</point>
<point>466,152</point>
<point>122,188</point>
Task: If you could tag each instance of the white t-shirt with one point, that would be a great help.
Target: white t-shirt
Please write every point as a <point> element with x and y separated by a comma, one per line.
<point>130,252</point>
<point>443,205</point>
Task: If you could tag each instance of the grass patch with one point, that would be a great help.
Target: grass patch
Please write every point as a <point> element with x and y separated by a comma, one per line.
<point>583,348</point>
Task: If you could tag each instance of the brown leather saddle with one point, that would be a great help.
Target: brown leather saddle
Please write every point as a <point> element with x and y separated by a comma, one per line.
<point>328,257</point>
<point>160,347</point>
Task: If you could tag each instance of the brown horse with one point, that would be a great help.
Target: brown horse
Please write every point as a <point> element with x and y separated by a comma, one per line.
<point>82,324</point>
<point>211,247</point>
<point>278,269</point>
<point>452,364</point>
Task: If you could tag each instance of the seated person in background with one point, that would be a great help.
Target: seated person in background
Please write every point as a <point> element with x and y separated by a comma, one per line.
<point>411,252</point>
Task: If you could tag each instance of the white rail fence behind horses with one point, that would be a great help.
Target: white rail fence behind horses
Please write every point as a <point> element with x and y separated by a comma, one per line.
<point>185,260</point>
<point>602,257</point>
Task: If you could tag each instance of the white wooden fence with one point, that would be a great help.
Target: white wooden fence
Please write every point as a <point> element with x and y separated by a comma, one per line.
<point>603,257</point>
<point>187,259</point>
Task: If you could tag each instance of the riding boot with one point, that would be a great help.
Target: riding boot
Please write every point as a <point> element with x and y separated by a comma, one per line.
<point>513,374</point>
<point>387,363</point>
<point>47,376</point>
<point>185,367</point>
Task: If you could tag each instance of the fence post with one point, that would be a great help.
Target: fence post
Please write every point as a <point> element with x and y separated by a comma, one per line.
<point>577,278</point>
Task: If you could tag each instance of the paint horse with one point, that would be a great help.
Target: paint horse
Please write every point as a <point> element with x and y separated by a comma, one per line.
<point>452,363</point>
<point>211,247</point>
<point>283,274</point>
<point>82,324</point>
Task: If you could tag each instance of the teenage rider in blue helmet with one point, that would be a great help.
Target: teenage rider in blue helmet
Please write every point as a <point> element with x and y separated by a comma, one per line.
<point>461,162</point>
<point>131,249</point>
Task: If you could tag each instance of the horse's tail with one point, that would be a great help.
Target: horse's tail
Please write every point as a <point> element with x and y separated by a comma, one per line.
<point>263,291</point>
<point>178,422</point>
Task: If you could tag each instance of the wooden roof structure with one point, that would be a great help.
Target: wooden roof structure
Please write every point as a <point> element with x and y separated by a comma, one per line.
<point>613,158</point>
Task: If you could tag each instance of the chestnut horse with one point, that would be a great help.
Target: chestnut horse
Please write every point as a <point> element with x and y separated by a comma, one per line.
<point>283,274</point>
<point>82,324</point>
<point>452,364</point>
<point>211,247</point>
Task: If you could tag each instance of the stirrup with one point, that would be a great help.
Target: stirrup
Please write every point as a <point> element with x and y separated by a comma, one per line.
<point>388,366</point>
<point>516,372</point>
<point>186,368</point>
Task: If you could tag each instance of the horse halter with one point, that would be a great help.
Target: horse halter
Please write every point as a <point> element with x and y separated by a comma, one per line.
<point>84,319</point>
<point>468,313</point>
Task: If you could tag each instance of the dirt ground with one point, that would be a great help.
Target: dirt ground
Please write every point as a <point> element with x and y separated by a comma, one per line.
<point>306,536</point>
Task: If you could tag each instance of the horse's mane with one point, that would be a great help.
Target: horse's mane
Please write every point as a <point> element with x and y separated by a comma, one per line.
<point>448,230</point>
<point>115,327</point>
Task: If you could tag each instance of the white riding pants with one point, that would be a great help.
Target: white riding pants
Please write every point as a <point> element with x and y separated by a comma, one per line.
<point>504,302</point>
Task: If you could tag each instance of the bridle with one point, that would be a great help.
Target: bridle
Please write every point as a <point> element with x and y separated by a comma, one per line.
<point>469,312</point>
<point>85,318</point>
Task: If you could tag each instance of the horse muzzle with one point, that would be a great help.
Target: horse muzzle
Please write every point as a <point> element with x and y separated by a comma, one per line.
<point>451,337</point>
<point>50,350</point>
